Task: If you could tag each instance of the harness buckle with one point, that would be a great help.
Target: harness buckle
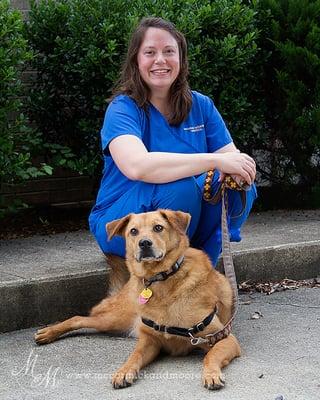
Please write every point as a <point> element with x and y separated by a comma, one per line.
<point>160,328</point>
<point>200,326</point>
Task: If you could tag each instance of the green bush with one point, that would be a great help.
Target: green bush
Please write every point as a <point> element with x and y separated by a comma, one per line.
<point>79,47</point>
<point>292,89</point>
<point>258,60</point>
<point>17,141</point>
<point>224,64</point>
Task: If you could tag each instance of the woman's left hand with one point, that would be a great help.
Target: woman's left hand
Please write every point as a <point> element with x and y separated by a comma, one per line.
<point>238,178</point>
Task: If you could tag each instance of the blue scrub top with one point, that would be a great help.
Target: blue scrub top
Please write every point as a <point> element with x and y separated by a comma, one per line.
<point>203,131</point>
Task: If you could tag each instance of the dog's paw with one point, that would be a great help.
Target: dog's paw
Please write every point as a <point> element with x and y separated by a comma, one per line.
<point>45,335</point>
<point>124,378</point>
<point>213,380</point>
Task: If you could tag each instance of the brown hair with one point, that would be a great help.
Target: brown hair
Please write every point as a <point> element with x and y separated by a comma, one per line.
<point>131,83</point>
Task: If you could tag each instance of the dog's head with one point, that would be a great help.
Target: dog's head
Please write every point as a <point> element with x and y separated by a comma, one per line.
<point>151,236</point>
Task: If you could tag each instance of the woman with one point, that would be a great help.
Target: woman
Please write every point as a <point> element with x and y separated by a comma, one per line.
<point>159,139</point>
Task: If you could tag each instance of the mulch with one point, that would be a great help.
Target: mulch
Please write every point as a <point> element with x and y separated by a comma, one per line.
<point>277,286</point>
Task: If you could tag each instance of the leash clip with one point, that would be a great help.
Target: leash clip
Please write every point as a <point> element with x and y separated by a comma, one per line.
<point>195,341</point>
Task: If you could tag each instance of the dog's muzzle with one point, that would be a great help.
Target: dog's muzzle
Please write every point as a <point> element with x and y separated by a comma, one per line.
<point>146,251</point>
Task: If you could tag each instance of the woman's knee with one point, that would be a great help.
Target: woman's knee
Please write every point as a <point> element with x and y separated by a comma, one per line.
<point>183,194</point>
<point>114,246</point>
<point>185,186</point>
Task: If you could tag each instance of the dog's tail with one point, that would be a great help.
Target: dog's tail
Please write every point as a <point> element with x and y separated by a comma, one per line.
<point>118,273</point>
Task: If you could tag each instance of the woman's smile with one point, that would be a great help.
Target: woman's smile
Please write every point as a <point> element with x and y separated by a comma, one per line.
<point>159,60</point>
<point>160,72</point>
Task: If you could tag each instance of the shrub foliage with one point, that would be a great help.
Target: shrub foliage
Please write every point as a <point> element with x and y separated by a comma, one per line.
<point>259,60</point>
<point>292,88</point>
<point>18,142</point>
<point>79,47</point>
<point>13,52</point>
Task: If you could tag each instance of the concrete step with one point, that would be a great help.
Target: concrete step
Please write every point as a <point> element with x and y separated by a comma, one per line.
<point>44,279</point>
<point>279,357</point>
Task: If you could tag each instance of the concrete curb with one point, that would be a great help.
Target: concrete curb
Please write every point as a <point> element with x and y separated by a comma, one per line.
<point>44,301</point>
<point>294,261</point>
<point>28,303</point>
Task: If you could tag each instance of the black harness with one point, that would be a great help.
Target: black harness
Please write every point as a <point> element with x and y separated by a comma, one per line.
<point>175,330</point>
<point>186,332</point>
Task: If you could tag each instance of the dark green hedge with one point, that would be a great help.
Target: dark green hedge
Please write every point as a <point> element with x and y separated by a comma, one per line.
<point>80,46</point>
<point>258,60</point>
<point>13,54</point>
<point>18,143</point>
<point>291,35</point>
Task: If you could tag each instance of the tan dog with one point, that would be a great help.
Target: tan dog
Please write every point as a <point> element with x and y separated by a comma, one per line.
<point>155,241</point>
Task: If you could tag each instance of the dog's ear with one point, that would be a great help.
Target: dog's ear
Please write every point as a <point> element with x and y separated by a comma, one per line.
<point>178,219</point>
<point>117,226</point>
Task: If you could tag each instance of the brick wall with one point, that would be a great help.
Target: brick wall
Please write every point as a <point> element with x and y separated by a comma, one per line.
<point>60,189</point>
<point>22,5</point>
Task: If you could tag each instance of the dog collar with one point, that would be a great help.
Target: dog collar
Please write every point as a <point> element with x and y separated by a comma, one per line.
<point>161,276</point>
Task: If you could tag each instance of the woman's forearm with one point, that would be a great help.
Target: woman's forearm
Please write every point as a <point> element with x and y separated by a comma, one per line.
<point>136,163</point>
<point>158,167</point>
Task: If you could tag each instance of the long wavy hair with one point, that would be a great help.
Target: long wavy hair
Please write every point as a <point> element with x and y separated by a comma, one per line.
<point>132,84</point>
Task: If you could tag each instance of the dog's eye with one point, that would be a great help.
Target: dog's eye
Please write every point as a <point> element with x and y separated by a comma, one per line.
<point>134,231</point>
<point>158,228</point>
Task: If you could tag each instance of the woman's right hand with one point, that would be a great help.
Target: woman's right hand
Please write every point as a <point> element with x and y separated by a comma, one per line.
<point>236,163</point>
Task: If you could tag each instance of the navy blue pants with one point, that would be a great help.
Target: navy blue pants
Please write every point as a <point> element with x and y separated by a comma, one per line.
<point>185,195</point>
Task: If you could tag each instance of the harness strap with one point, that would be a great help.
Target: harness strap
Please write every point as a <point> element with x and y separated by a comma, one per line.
<point>175,330</point>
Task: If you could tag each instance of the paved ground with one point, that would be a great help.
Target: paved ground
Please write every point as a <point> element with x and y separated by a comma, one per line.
<point>280,357</point>
<point>48,278</point>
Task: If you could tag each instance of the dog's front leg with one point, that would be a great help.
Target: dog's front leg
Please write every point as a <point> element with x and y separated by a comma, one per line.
<point>144,353</point>
<point>221,354</point>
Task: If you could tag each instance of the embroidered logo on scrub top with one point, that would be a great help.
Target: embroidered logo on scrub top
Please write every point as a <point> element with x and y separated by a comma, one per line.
<point>193,129</point>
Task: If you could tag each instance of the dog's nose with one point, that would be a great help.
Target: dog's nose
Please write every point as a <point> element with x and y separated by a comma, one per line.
<point>145,244</point>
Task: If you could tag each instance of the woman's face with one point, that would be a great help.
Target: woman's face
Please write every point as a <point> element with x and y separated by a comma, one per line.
<point>158,60</point>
